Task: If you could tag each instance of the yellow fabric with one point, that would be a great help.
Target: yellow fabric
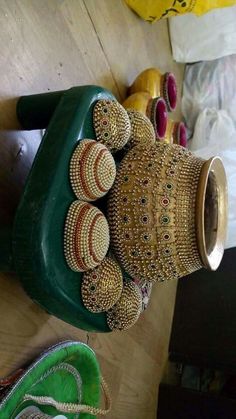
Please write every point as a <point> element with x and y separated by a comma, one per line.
<point>152,10</point>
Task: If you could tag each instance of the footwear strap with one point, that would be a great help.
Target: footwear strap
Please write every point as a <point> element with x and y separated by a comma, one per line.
<point>74,407</point>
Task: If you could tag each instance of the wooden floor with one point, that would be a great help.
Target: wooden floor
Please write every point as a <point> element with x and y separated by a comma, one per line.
<point>51,45</point>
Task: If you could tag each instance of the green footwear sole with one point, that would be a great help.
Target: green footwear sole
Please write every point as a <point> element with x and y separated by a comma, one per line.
<point>67,372</point>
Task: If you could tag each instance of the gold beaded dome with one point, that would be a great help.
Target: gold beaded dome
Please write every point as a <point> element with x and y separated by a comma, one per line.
<point>86,236</point>
<point>151,212</point>
<point>92,170</point>
<point>102,286</point>
<point>142,131</point>
<point>127,310</point>
<point>111,124</point>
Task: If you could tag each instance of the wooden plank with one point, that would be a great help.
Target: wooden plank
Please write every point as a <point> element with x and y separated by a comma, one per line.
<point>131,44</point>
<point>133,361</point>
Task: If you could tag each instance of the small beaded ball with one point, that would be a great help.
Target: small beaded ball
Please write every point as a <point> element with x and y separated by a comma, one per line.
<point>142,131</point>
<point>111,124</point>
<point>92,170</point>
<point>127,310</point>
<point>102,286</point>
<point>86,236</point>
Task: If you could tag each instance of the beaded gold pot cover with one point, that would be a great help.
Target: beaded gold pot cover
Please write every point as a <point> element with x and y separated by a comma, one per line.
<point>111,124</point>
<point>142,131</point>
<point>86,236</point>
<point>92,170</point>
<point>127,310</point>
<point>102,286</point>
<point>151,212</point>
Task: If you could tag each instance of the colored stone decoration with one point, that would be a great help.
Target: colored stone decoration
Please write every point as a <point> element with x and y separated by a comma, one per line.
<point>86,236</point>
<point>152,212</point>
<point>111,124</point>
<point>153,82</point>
<point>92,170</point>
<point>142,131</point>
<point>155,109</point>
<point>127,310</point>
<point>102,286</point>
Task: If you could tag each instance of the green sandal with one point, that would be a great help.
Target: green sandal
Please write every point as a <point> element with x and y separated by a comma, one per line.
<point>64,382</point>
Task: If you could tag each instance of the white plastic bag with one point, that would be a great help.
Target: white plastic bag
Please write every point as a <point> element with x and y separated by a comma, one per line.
<point>210,84</point>
<point>207,37</point>
<point>215,134</point>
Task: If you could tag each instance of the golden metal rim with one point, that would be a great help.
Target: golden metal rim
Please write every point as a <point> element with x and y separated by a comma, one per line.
<point>211,259</point>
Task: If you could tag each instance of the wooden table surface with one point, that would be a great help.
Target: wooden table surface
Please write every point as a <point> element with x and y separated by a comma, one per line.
<point>53,45</point>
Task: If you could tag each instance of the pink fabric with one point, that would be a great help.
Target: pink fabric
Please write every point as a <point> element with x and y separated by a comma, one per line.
<point>161,118</point>
<point>182,135</point>
<point>171,90</point>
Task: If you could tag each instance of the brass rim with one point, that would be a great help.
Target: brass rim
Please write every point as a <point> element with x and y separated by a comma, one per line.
<point>211,213</point>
